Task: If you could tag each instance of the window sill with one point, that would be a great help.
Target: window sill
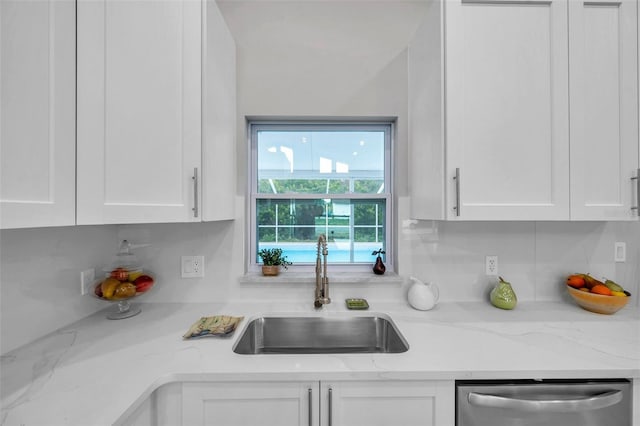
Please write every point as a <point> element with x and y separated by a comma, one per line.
<point>287,277</point>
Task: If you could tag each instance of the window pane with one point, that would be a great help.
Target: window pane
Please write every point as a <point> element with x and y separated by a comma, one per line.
<point>320,161</point>
<point>354,228</point>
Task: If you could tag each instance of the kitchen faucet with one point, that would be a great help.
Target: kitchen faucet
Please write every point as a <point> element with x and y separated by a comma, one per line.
<point>322,282</point>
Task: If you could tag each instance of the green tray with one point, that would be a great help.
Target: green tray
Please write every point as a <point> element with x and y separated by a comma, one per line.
<point>357,304</point>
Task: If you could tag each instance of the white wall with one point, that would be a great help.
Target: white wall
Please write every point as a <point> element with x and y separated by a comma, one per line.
<point>40,278</point>
<point>328,58</point>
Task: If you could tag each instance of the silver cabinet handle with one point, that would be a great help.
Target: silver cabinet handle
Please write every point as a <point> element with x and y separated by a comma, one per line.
<point>310,396</point>
<point>580,403</point>
<point>330,418</point>
<point>457,179</point>
<point>195,192</point>
<point>637,179</point>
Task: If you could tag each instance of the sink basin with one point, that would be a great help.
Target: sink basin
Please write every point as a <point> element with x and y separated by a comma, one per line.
<point>321,335</point>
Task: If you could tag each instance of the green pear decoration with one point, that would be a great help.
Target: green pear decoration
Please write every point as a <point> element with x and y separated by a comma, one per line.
<point>502,296</point>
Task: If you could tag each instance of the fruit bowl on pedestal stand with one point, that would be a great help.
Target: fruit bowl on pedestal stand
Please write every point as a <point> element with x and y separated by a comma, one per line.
<point>123,310</point>
<point>120,287</point>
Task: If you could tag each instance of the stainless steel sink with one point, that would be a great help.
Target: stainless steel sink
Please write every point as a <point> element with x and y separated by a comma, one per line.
<point>321,335</point>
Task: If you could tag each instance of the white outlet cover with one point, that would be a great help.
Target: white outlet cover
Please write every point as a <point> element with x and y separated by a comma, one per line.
<point>491,265</point>
<point>192,266</point>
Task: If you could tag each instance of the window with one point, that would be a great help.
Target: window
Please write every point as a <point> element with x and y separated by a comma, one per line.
<point>309,179</point>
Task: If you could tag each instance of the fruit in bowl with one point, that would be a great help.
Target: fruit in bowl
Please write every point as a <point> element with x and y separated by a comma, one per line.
<point>597,296</point>
<point>123,284</point>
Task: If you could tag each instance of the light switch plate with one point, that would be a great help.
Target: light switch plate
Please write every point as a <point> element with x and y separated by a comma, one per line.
<point>86,279</point>
<point>620,253</point>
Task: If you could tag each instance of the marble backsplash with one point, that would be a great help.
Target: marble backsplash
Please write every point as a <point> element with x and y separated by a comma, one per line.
<point>40,267</point>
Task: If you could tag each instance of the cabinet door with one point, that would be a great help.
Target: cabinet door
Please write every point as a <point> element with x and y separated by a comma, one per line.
<point>604,108</point>
<point>387,403</point>
<point>139,107</point>
<point>250,404</point>
<point>219,118</point>
<point>37,116</point>
<point>507,109</point>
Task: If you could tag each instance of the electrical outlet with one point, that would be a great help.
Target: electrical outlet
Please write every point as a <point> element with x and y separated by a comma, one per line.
<point>86,279</point>
<point>491,265</point>
<point>192,266</point>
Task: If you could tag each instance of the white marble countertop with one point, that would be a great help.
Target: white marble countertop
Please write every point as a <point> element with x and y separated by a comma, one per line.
<point>92,371</point>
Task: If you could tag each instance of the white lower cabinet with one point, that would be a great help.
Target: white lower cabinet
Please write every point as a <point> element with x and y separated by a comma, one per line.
<point>250,403</point>
<point>323,403</point>
<point>387,403</point>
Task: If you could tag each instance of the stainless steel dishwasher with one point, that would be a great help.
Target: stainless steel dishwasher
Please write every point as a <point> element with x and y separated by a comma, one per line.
<point>543,403</point>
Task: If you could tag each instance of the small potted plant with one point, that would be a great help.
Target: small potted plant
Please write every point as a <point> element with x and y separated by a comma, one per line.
<point>379,267</point>
<point>272,260</point>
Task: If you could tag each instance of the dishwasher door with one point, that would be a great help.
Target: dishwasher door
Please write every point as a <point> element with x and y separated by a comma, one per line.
<point>544,403</point>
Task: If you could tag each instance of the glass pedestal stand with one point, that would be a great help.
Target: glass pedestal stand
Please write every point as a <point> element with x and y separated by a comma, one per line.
<point>123,310</point>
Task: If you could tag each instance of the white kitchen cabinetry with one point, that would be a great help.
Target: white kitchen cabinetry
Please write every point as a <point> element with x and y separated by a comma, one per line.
<point>324,403</point>
<point>387,403</point>
<point>489,128</point>
<point>489,125</point>
<point>37,116</point>
<point>218,118</point>
<point>139,126</point>
<point>603,79</point>
<point>156,112</point>
<point>251,403</point>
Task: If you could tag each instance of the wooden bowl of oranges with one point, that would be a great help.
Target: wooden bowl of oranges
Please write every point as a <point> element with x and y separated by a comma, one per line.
<point>597,296</point>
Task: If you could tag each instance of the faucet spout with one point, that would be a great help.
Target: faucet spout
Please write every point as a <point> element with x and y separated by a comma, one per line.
<point>322,281</point>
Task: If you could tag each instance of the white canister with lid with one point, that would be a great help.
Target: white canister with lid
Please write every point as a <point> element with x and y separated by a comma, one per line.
<point>422,296</point>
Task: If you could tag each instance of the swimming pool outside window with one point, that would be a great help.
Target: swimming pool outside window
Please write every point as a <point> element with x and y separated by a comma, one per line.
<point>320,178</point>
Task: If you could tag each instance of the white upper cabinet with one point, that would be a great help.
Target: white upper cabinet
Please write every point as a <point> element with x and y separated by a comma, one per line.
<point>37,116</point>
<point>603,49</point>
<point>218,118</point>
<point>506,109</point>
<point>524,110</point>
<point>494,112</point>
<point>139,111</point>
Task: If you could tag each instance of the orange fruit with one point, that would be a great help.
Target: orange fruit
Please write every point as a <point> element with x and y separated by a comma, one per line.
<point>601,289</point>
<point>575,281</point>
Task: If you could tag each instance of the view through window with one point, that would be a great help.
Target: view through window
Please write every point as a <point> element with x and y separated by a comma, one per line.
<point>322,178</point>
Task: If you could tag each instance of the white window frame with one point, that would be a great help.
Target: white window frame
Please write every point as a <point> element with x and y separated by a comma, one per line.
<point>385,124</point>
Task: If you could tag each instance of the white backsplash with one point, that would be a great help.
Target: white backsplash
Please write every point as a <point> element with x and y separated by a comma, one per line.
<point>40,267</point>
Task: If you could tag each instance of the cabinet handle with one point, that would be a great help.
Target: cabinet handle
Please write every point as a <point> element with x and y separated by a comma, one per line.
<point>637,179</point>
<point>457,179</point>
<point>330,418</point>
<point>195,192</point>
<point>577,404</point>
<point>310,396</point>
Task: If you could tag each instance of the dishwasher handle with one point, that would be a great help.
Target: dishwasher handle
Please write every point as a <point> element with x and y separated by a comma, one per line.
<point>580,403</point>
